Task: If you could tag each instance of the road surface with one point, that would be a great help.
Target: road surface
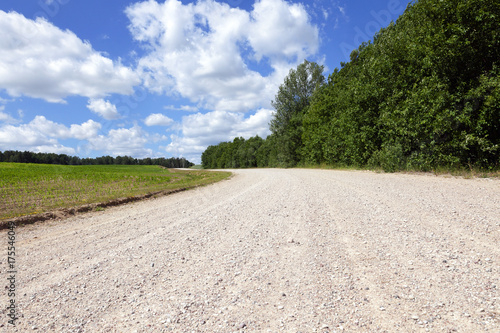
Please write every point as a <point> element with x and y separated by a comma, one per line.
<point>274,250</point>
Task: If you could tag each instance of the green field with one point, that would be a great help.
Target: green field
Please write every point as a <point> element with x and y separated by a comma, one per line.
<point>37,188</point>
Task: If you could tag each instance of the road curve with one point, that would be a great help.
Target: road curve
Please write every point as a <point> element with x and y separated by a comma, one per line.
<point>271,250</point>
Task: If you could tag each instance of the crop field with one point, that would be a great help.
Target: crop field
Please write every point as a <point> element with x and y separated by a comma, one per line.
<point>36,188</point>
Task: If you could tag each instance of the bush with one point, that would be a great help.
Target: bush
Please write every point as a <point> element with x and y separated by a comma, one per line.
<point>390,158</point>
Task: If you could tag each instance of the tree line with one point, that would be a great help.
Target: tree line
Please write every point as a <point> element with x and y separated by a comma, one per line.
<point>239,153</point>
<point>423,94</point>
<point>63,159</point>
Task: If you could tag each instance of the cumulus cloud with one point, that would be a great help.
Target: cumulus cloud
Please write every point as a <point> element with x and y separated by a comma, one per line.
<point>201,130</point>
<point>256,124</point>
<point>85,131</point>
<point>281,29</point>
<point>123,141</point>
<point>203,50</point>
<point>37,59</point>
<point>52,129</point>
<point>103,108</point>
<point>158,119</point>
<point>42,135</point>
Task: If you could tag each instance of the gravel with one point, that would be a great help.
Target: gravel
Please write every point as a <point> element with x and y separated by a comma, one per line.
<point>271,250</point>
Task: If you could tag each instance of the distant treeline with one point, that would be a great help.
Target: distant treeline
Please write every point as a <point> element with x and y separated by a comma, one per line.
<point>239,153</point>
<point>424,94</point>
<point>62,159</point>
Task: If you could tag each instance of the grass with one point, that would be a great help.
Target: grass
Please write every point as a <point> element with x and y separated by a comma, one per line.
<point>197,167</point>
<point>467,173</point>
<point>27,189</point>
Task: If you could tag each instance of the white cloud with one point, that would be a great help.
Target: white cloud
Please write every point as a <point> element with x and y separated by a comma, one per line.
<point>4,101</point>
<point>42,127</point>
<point>158,119</point>
<point>85,131</point>
<point>201,130</point>
<point>203,50</point>
<point>325,14</point>
<point>37,59</point>
<point>54,148</point>
<point>280,29</point>
<point>103,108</point>
<point>6,118</point>
<point>342,11</point>
<point>49,128</point>
<point>187,108</point>
<point>123,141</point>
<point>256,124</point>
<point>42,135</point>
<point>20,137</point>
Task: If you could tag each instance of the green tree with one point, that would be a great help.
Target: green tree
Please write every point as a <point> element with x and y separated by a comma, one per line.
<point>425,93</point>
<point>290,103</point>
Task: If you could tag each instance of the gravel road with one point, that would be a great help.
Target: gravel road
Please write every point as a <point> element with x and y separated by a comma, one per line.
<point>271,250</point>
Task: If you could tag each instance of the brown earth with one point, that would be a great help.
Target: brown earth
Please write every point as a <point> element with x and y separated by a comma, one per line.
<point>271,250</point>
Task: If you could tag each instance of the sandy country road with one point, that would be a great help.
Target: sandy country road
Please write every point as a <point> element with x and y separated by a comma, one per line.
<point>271,250</point>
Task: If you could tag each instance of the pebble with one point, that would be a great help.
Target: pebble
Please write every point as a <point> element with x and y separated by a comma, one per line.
<point>203,293</point>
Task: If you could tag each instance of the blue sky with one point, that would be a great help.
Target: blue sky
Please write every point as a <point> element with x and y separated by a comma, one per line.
<point>161,78</point>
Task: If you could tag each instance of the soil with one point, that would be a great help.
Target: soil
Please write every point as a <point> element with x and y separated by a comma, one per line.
<point>270,250</point>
